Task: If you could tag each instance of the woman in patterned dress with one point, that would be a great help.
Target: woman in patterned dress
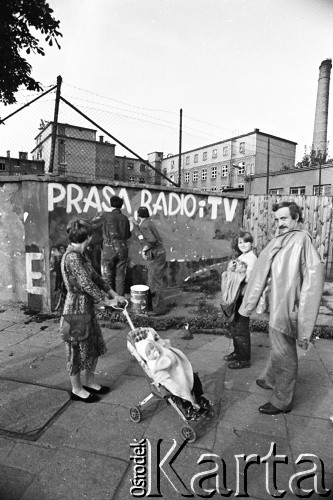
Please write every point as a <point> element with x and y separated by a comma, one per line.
<point>85,289</point>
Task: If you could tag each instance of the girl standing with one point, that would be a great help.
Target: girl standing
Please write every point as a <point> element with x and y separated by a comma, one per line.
<point>241,355</point>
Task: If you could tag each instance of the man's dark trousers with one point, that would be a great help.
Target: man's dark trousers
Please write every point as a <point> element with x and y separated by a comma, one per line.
<point>113,264</point>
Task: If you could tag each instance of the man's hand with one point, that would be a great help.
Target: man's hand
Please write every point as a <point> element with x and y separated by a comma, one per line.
<point>303,344</point>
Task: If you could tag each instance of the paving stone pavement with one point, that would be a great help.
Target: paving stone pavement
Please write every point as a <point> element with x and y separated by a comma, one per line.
<point>52,448</point>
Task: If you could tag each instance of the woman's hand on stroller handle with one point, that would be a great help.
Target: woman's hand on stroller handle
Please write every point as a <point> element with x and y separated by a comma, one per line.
<point>116,303</point>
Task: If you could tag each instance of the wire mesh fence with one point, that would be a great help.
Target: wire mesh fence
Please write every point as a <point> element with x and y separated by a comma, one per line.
<point>96,136</point>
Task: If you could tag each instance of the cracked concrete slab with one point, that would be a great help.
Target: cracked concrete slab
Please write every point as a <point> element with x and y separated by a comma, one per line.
<point>26,409</point>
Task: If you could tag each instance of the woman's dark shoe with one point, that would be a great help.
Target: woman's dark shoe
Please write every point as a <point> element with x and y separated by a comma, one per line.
<point>236,365</point>
<point>92,398</point>
<point>230,357</point>
<point>104,389</point>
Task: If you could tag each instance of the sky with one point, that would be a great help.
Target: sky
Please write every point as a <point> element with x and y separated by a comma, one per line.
<point>230,65</point>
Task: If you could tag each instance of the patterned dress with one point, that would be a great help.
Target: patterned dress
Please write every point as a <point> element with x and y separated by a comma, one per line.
<point>84,287</point>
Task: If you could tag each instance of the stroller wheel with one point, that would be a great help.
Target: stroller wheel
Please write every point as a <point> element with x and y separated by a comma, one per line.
<point>135,414</point>
<point>188,433</point>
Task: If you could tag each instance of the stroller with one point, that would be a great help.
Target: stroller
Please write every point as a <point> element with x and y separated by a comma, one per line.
<point>158,392</point>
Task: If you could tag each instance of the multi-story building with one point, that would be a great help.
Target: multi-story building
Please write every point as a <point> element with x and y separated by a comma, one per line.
<point>300,180</point>
<point>20,165</point>
<point>229,163</point>
<point>77,153</point>
<point>134,170</point>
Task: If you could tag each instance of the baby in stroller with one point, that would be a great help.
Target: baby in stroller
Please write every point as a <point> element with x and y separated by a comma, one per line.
<point>170,368</point>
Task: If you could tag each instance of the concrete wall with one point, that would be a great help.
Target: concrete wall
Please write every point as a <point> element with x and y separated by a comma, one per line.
<point>197,229</point>
<point>24,243</point>
<point>12,245</point>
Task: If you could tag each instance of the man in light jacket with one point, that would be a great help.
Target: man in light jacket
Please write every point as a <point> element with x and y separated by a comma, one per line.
<point>296,274</point>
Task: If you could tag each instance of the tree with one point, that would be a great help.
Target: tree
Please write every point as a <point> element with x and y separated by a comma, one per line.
<point>17,19</point>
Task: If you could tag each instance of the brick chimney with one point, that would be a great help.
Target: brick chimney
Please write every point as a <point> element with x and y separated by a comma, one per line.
<point>319,143</point>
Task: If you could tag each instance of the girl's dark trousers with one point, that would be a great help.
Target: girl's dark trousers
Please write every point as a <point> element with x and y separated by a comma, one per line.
<point>240,332</point>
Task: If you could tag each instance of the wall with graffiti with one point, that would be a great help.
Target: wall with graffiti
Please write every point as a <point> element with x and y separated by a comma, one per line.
<point>12,244</point>
<point>24,238</point>
<point>197,230</point>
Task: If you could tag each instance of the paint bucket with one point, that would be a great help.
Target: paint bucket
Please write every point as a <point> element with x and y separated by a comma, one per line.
<point>139,298</point>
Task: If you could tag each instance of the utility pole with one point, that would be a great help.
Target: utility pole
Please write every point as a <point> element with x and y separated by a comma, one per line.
<point>55,123</point>
<point>268,159</point>
<point>180,148</point>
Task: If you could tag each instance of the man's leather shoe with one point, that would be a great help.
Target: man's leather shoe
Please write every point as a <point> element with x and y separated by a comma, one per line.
<point>269,409</point>
<point>261,382</point>
<point>236,365</point>
<point>158,312</point>
<point>104,389</point>
<point>92,398</point>
<point>230,357</point>
<point>186,336</point>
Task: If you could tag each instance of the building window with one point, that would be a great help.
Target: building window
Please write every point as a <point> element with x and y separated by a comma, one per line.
<point>241,168</point>
<point>172,163</point>
<point>204,174</point>
<point>214,155</point>
<point>61,152</point>
<point>142,180</point>
<point>241,185</point>
<point>130,166</point>
<point>187,177</point>
<point>196,157</point>
<point>131,179</point>
<point>195,176</point>
<point>204,155</point>
<point>213,188</point>
<point>276,191</point>
<point>242,147</point>
<point>214,172</point>
<point>187,160</point>
<point>297,190</point>
<point>224,171</point>
<point>116,177</point>
<point>142,167</point>
<point>2,167</point>
<point>249,169</point>
<point>225,151</point>
<point>325,190</point>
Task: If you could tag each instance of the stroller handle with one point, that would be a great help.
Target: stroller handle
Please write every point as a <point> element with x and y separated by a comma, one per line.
<point>125,313</point>
<point>115,307</point>
<point>122,308</point>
